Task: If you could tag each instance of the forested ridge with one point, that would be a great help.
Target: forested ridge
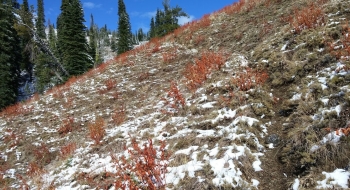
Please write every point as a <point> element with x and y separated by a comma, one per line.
<point>39,54</point>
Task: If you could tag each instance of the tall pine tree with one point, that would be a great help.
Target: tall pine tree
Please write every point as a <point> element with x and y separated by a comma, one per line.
<point>124,29</point>
<point>166,21</point>
<point>42,71</point>
<point>9,56</point>
<point>72,44</point>
<point>152,31</point>
<point>92,39</point>
<point>40,21</point>
<point>26,41</point>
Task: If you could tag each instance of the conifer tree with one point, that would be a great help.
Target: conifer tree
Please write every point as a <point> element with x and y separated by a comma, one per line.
<point>9,56</point>
<point>166,21</point>
<point>52,38</point>
<point>25,5</point>
<point>124,29</point>
<point>26,42</point>
<point>39,24</point>
<point>72,44</point>
<point>44,74</point>
<point>152,31</point>
<point>92,39</point>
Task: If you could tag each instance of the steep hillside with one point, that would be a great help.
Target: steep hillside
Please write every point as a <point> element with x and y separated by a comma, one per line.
<point>254,96</point>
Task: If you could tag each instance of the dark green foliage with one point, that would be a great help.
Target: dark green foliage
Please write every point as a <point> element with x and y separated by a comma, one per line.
<point>52,38</point>
<point>25,5</point>
<point>40,26</point>
<point>28,50</point>
<point>92,39</point>
<point>139,36</point>
<point>72,44</point>
<point>43,72</point>
<point>124,29</point>
<point>166,21</point>
<point>152,31</point>
<point>9,56</point>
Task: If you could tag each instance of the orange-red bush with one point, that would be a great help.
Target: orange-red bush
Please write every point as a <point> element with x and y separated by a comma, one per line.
<point>176,102</point>
<point>109,85</point>
<point>34,169</point>
<point>15,110</point>
<point>68,149</point>
<point>97,130</point>
<point>119,115</point>
<point>344,51</point>
<point>42,154</point>
<point>311,16</point>
<point>67,126</point>
<point>145,169</point>
<point>11,138</point>
<point>198,72</point>
<point>234,8</point>
<point>249,78</point>
<point>169,55</point>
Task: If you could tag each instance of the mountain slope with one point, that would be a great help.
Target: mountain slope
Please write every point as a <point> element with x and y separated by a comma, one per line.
<point>254,96</point>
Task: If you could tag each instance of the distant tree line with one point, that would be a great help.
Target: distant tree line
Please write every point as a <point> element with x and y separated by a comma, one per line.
<point>52,54</point>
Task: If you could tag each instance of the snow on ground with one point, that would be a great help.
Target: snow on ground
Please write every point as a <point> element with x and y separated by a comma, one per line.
<point>226,168</point>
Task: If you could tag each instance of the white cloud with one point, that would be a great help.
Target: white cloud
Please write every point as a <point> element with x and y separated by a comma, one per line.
<point>149,14</point>
<point>183,20</point>
<point>91,5</point>
<point>110,10</point>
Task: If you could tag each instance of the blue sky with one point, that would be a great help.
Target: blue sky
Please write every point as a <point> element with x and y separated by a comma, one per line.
<point>140,11</point>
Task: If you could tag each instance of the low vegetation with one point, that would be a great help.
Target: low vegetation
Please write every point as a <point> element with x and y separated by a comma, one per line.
<point>253,96</point>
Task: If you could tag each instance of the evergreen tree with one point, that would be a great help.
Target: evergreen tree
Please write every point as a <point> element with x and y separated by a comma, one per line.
<point>72,44</point>
<point>39,24</point>
<point>52,38</point>
<point>25,6</point>
<point>124,29</point>
<point>43,72</point>
<point>9,56</point>
<point>166,21</point>
<point>27,46</point>
<point>92,39</point>
<point>152,31</point>
<point>141,35</point>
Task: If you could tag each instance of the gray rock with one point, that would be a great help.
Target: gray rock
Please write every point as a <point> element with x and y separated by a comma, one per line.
<point>273,138</point>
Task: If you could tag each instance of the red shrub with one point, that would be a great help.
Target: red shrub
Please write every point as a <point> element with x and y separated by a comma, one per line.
<point>156,44</point>
<point>97,130</point>
<point>67,126</point>
<point>34,170</point>
<point>102,67</point>
<point>42,154</point>
<point>198,72</point>
<point>119,116</point>
<point>109,85</point>
<point>234,8</point>
<point>169,55</point>
<point>345,42</point>
<point>204,21</point>
<point>176,99</point>
<point>143,76</point>
<point>145,169</point>
<point>68,149</point>
<point>311,16</point>
<point>16,110</point>
<point>199,39</point>
<point>70,82</point>
<point>11,138</point>
<point>249,78</point>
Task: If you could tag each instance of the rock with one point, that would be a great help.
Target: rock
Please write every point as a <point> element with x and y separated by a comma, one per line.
<point>274,139</point>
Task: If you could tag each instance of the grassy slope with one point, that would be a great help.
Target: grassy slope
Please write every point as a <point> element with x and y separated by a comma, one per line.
<point>258,35</point>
